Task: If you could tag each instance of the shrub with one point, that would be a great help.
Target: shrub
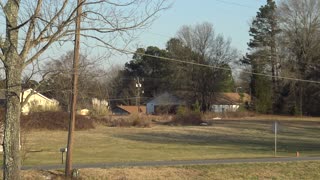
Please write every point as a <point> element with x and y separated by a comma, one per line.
<point>100,112</point>
<point>35,107</point>
<point>125,121</point>
<point>239,114</point>
<point>102,120</point>
<point>187,117</point>
<point>141,121</point>
<point>54,121</point>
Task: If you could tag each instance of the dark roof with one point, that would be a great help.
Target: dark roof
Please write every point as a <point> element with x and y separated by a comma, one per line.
<point>119,111</point>
<point>133,109</point>
<point>166,99</point>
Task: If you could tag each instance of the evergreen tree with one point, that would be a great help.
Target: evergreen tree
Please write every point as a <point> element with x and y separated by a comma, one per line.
<point>263,57</point>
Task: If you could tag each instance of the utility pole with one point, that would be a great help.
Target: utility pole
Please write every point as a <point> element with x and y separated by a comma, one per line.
<point>74,90</point>
<point>138,85</point>
<point>275,138</point>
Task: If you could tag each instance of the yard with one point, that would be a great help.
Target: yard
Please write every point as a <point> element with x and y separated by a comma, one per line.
<point>240,138</point>
<point>223,139</point>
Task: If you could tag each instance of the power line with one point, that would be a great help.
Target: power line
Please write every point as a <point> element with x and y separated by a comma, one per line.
<point>126,98</point>
<point>234,4</point>
<point>222,68</point>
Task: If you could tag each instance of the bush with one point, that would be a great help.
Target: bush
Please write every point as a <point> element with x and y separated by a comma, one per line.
<point>237,114</point>
<point>185,116</point>
<point>34,107</point>
<point>125,121</point>
<point>100,112</point>
<point>141,121</point>
<point>54,121</point>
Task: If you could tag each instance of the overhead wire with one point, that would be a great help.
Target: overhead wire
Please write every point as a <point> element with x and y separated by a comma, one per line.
<point>234,3</point>
<point>126,98</point>
<point>222,68</point>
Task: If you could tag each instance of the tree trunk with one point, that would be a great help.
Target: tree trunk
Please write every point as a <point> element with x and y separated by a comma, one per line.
<point>13,65</point>
<point>11,143</point>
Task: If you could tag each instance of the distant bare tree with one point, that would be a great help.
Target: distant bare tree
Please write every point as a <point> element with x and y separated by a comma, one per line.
<point>207,48</point>
<point>300,37</point>
<point>58,77</point>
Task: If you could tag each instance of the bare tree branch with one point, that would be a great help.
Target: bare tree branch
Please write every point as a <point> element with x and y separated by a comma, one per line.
<point>27,44</point>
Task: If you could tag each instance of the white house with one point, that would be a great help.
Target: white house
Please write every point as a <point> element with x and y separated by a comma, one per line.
<point>37,101</point>
<point>228,102</point>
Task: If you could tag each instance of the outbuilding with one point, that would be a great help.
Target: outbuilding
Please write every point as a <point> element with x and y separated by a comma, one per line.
<point>164,103</point>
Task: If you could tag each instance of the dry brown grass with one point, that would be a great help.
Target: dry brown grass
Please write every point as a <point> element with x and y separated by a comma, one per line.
<point>125,121</point>
<point>247,115</point>
<point>139,173</point>
<point>289,170</point>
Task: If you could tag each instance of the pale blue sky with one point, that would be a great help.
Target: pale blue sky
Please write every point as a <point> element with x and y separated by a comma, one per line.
<point>229,17</point>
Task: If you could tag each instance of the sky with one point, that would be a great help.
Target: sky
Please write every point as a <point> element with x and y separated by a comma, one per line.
<point>229,17</point>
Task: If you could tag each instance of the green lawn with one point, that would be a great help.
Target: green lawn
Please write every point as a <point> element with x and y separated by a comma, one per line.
<point>224,139</point>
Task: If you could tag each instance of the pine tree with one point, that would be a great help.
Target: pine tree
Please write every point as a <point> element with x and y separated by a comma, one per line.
<point>263,56</point>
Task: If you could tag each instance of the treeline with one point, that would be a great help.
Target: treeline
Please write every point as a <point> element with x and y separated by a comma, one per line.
<point>285,42</point>
<point>157,73</point>
<point>283,62</point>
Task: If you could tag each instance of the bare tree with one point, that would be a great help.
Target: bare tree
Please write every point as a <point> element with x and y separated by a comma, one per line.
<point>57,80</point>
<point>300,37</point>
<point>211,49</point>
<point>33,26</point>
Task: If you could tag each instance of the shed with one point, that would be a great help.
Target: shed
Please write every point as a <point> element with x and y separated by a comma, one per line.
<point>165,100</point>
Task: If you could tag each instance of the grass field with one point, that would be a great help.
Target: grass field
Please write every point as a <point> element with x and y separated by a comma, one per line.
<point>290,171</point>
<point>224,139</point>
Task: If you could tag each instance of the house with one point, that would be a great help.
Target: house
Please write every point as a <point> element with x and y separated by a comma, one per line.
<point>229,102</point>
<point>37,101</point>
<point>126,110</point>
<point>164,103</point>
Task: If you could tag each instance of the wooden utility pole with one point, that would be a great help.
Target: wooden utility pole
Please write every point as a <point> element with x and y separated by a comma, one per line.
<point>138,85</point>
<point>275,138</point>
<point>74,90</point>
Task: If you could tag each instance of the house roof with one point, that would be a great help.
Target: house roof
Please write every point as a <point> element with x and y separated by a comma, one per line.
<point>133,109</point>
<point>230,98</point>
<point>3,95</point>
<point>41,95</point>
<point>166,99</point>
<point>119,111</point>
